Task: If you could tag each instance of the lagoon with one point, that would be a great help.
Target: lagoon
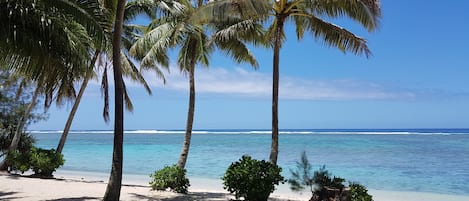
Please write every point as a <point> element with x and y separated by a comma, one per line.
<point>418,160</point>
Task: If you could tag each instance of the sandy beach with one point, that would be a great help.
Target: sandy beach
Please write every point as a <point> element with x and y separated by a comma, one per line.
<point>16,187</point>
<point>74,188</point>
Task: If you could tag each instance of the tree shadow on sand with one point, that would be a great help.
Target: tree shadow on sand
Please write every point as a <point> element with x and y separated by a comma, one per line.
<point>197,196</point>
<point>76,199</point>
<point>9,196</point>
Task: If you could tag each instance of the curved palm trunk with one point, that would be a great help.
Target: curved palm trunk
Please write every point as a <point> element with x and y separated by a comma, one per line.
<point>190,119</point>
<point>71,116</point>
<point>275,83</point>
<point>20,127</point>
<point>115,179</point>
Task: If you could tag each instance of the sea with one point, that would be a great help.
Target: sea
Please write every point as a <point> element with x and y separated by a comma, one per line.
<point>418,160</point>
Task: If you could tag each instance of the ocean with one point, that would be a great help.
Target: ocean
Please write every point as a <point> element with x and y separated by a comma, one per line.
<point>420,160</point>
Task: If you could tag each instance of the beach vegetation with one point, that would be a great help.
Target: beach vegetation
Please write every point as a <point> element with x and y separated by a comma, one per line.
<point>324,186</point>
<point>170,177</point>
<point>359,192</point>
<point>18,161</point>
<point>46,44</point>
<point>43,162</point>
<point>308,17</point>
<point>251,179</point>
<point>15,101</point>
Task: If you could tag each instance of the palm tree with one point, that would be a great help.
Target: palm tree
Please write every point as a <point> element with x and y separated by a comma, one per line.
<point>115,179</point>
<point>130,34</point>
<point>178,28</point>
<point>47,42</point>
<point>307,16</point>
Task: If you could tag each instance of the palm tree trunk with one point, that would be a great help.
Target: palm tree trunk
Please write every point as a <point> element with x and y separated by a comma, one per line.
<point>115,179</point>
<point>190,118</point>
<point>275,83</point>
<point>20,127</point>
<point>68,124</point>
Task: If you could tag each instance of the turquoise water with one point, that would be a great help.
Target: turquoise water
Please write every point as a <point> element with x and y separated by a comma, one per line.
<point>403,160</point>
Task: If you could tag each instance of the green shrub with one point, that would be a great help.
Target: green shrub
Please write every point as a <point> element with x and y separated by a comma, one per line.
<point>323,186</point>
<point>359,192</point>
<point>170,177</point>
<point>322,178</point>
<point>252,179</point>
<point>6,135</point>
<point>18,161</point>
<point>302,177</point>
<point>44,162</point>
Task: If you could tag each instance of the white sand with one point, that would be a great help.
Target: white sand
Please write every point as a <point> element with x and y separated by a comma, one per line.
<point>77,186</point>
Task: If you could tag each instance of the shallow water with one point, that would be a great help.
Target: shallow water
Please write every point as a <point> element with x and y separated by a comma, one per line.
<point>402,160</point>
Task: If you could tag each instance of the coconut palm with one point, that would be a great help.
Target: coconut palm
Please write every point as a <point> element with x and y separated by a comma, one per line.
<point>48,42</point>
<point>115,178</point>
<point>178,29</point>
<point>130,33</point>
<point>308,16</point>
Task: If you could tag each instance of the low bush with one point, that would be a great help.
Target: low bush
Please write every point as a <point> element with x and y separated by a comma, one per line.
<point>42,161</point>
<point>6,135</point>
<point>252,179</point>
<point>170,177</point>
<point>323,185</point>
<point>359,192</point>
<point>18,161</point>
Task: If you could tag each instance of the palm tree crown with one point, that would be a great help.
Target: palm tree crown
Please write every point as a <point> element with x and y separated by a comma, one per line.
<point>308,16</point>
<point>178,28</point>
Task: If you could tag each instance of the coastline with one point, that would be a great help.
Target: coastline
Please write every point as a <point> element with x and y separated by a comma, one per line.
<point>72,185</point>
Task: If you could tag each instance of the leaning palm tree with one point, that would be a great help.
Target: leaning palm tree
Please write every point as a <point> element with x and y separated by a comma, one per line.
<point>47,42</point>
<point>130,33</point>
<point>178,29</point>
<point>308,16</point>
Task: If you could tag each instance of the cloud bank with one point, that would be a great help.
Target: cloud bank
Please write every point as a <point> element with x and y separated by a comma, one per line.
<point>241,82</point>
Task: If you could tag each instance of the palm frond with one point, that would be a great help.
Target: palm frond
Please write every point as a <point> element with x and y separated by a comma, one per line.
<point>238,51</point>
<point>128,102</point>
<point>105,92</point>
<point>152,46</point>
<point>245,30</point>
<point>300,25</point>
<point>336,36</point>
<point>88,13</point>
<point>228,39</point>
<point>130,70</point>
<point>366,12</point>
<point>222,10</point>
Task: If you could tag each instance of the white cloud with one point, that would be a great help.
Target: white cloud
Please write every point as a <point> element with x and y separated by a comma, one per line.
<point>241,82</point>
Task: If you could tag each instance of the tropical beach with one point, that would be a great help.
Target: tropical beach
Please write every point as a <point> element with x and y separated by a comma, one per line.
<point>73,188</point>
<point>254,100</point>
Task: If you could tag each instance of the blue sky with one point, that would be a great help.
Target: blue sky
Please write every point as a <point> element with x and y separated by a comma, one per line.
<point>418,77</point>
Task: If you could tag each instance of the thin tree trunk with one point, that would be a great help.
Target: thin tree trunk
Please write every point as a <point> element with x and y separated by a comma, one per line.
<point>190,118</point>
<point>275,84</point>
<point>113,188</point>
<point>20,127</point>
<point>68,124</point>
